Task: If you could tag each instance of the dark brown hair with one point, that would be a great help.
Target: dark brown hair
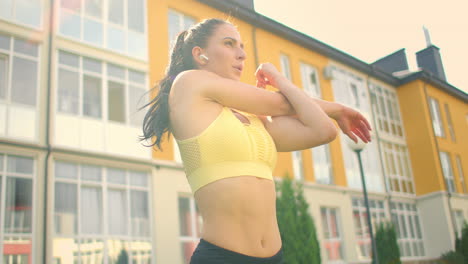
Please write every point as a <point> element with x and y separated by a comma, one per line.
<point>156,121</point>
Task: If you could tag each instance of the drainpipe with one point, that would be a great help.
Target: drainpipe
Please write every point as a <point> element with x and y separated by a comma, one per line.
<point>47,134</point>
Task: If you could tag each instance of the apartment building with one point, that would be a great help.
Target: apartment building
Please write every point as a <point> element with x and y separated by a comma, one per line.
<point>78,187</point>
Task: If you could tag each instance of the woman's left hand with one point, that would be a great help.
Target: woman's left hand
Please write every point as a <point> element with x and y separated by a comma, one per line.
<point>353,124</point>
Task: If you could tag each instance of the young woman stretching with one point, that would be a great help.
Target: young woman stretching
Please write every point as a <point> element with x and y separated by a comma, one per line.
<point>229,146</point>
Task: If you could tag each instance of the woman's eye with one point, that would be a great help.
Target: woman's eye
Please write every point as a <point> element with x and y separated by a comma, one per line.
<point>229,43</point>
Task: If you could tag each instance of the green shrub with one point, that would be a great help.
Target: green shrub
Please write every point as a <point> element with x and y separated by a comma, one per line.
<point>296,225</point>
<point>387,245</point>
<point>452,257</point>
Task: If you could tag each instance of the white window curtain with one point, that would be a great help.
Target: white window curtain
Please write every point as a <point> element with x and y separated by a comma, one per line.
<point>91,210</point>
<point>117,212</point>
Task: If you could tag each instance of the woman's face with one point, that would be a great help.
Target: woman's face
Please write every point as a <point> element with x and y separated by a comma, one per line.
<point>225,52</point>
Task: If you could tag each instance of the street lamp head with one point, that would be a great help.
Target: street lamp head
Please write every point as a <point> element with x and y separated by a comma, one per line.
<point>355,146</point>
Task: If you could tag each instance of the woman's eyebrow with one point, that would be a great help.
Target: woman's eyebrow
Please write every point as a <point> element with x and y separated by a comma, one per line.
<point>235,41</point>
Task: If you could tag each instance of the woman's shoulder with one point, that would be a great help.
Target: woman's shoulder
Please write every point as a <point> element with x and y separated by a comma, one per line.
<point>190,75</point>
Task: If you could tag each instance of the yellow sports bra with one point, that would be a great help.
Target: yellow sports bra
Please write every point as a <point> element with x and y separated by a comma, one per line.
<point>228,148</point>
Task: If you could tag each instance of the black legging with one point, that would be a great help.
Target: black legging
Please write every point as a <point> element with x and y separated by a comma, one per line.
<point>208,253</point>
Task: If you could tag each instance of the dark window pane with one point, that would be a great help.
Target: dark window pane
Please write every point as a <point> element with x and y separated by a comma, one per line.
<point>116,106</point>
<point>18,206</point>
<point>66,206</point>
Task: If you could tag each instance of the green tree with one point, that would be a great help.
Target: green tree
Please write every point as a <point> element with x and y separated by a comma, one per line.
<point>297,228</point>
<point>462,246</point>
<point>123,257</point>
<point>387,245</point>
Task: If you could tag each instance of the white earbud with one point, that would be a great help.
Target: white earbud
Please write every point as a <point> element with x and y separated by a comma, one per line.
<point>203,56</point>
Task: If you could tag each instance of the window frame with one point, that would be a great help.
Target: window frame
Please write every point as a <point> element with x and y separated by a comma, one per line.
<point>436,117</point>
<point>13,18</point>
<point>106,24</point>
<point>386,107</point>
<point>401,161</point>
<point>447,172</point>
<point>405,214</point>
<point>461,175</point>
<point>10,54</point>
<point>4,176</point>
<point>104,186</point>
<point>306,69</point>
<point>194,215</point>
<point>339,229</point>
<point>449,123</point>
<point>105,79</point>
<point>358,205</point>
<point>182,18</point>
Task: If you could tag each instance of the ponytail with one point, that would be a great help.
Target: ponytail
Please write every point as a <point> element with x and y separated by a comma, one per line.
<point>156,121</point>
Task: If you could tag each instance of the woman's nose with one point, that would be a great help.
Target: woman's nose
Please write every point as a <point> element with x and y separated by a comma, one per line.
<point>242,55</point>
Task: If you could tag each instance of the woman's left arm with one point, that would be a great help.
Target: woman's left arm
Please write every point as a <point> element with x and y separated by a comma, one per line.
<point>350,121</point>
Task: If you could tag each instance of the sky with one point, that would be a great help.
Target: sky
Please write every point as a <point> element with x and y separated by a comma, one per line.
<point>370,29</point>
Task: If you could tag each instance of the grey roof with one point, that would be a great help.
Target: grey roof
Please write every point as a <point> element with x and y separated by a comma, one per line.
<point>260,21</point>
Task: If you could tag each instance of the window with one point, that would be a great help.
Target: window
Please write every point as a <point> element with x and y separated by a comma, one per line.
<point>100,213</point>
<point>377,210</point>
<point>285,68</point>
<point>310,81</point>
<point>118,25</point>
<point>82,82</point>
<point>386,109</point>
<point>461,176</point>
<point>17,177</point>
<point>320,154</point>
<point>18,58</point>
<point>343,84</point>
<point>177,22</point>
<point>298,169</point>
<point>459,222</point>
<point>177,155</point>
<point>397,167</point>
<point>406,220</point>
<point>24,12</point>
<point>322,164</point>
<point>296,155</point>
<point>190,225</point>
<point>447,170</point>
<point>449,123</point>
<point>333,240</point>
<point>436,118</point>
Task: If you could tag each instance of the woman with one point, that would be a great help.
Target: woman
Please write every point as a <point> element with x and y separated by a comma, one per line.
<point>227,143</point>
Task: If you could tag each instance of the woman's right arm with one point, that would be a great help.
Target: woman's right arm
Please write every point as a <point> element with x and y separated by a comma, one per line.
<point>232,93</point>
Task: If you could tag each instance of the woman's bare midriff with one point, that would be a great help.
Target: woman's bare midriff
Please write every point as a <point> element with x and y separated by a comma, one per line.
<point>239,214</point>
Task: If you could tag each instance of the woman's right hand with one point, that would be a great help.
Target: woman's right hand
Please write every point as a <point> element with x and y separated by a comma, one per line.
<point>267,74</point>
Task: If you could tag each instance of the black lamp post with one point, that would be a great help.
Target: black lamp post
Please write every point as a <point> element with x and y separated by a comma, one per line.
<point>357,148</point>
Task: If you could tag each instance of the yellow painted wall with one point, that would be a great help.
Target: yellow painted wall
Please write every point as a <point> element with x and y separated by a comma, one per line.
<point>458,112</point>
<point>425,163</point>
